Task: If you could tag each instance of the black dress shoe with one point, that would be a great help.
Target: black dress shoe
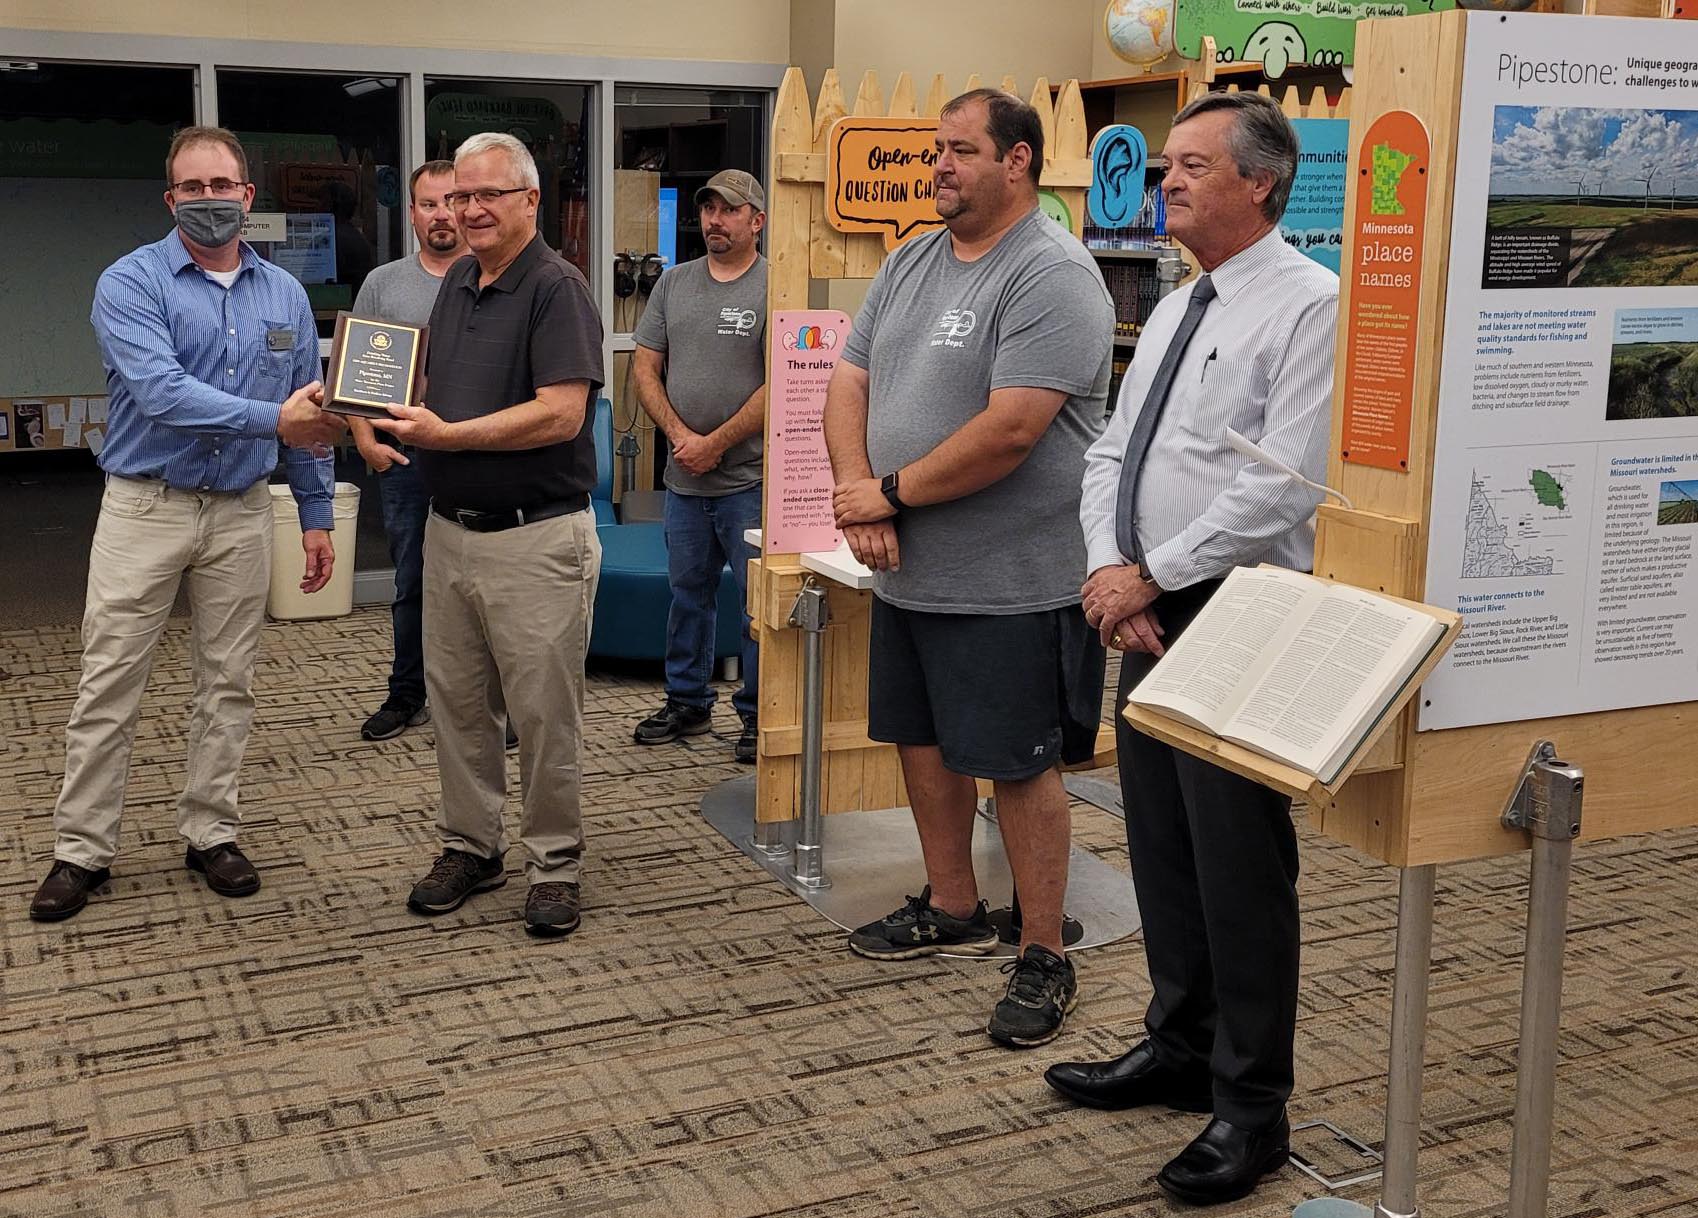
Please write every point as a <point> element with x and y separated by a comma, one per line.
<point>1225,1162</point>
<point>227,870</point>
<point>1133,1079</point>
<point>65,891</point>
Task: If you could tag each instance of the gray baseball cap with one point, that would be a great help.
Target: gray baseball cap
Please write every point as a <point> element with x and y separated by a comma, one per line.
<point>736,187</point>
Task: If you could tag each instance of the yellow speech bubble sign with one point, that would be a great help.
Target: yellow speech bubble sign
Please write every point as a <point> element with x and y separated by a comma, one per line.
<point>878,177</point>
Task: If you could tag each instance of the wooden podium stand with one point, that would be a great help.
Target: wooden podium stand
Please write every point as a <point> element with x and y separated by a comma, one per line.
<point>1300,786</point>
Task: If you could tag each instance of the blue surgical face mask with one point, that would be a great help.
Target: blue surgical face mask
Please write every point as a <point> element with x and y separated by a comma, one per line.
<point>210,223</point>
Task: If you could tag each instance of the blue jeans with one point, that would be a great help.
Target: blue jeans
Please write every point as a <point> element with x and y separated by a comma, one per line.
<point>406,507</point>
<point>702,532</point>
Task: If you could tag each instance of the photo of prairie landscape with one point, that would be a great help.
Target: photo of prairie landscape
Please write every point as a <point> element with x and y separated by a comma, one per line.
<point>1654,365</point>
<point>1607,198</point>
<point>1677,503</point>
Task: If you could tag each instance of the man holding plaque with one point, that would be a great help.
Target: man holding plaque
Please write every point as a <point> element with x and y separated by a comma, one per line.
<point>405,291</point>
<point>211,356</point>
<point>1168,510</point>
<point>511,553</point>
<point>700,367</point>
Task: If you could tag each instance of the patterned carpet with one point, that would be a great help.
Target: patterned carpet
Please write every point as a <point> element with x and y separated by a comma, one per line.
<point>704,1046</point>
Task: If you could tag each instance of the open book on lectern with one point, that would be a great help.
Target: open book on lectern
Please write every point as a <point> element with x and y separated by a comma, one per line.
<point>1293,667</point>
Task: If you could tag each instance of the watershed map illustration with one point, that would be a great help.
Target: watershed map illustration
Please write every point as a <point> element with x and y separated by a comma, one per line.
<point>1517,527</point>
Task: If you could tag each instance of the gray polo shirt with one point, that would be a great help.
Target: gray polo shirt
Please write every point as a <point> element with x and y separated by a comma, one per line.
<point>936,336</point>
<point>713,335</point>
<point>491,348</point>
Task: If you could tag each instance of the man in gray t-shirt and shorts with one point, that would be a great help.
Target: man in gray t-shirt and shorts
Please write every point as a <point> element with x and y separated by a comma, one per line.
<point>957,420</point>
<point>700,368</point>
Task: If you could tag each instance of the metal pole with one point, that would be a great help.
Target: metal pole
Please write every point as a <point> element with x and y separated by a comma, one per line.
<point>1408,1042</point>
<point>810,615</point>
<point>1550,812</point>
<point>768,838</point>
<point>1170,269</point>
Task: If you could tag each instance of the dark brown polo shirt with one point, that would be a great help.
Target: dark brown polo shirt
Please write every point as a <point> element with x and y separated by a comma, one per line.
<point>491,349</point>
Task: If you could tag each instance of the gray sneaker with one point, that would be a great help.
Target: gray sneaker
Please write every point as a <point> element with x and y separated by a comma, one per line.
<point>551,909</point>
<point>455,876</point>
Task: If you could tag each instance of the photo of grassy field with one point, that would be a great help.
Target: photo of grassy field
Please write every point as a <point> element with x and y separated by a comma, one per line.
<point>1655,380</point>
<point>1678,503</point>
<point>1623,184</point>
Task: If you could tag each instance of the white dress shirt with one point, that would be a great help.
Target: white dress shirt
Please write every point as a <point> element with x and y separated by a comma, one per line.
<point>1261,363</point>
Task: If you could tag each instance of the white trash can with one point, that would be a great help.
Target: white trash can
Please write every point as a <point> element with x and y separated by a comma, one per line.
<point>287,603</point>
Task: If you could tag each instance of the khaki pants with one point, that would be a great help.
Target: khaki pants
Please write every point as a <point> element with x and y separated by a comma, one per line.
<point>506,628</point>
<point>148,535</point>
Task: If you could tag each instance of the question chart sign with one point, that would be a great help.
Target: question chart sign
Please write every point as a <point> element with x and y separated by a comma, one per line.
<point>878,177</point>
<point>1119,155</point>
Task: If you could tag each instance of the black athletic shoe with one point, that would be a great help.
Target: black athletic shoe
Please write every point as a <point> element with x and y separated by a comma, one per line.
<point>393,718</point>
<point>920,929</point>
<point>673,720</point>
<point>747,742</point>
<point>1041,992</point>
<point>551,909</point>
<point>455,876</point>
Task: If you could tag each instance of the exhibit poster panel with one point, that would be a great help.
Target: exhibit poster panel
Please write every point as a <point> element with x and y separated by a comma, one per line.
<point>805,346</point>
<point>1565,477</point>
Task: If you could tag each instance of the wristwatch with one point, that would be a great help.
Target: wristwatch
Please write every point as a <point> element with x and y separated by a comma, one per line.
<point>888,486</point>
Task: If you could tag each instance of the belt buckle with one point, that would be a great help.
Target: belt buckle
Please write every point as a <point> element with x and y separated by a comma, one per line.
<point>466,518</point>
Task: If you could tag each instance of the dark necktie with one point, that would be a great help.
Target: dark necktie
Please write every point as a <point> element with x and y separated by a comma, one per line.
<point>1144,430</point>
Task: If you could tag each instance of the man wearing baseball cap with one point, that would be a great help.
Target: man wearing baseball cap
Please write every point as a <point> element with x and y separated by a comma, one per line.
<point>700,370</point>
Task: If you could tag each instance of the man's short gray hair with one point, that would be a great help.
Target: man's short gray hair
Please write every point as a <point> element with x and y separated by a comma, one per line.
<point>518,156</point>
<point>1262,141</point>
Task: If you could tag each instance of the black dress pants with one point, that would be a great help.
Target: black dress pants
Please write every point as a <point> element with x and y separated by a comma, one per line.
<point>1214,859</point>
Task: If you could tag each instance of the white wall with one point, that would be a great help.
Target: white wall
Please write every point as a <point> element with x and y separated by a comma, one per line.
<point>756,31</point>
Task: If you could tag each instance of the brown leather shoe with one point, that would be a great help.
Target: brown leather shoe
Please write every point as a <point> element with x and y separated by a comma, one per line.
<point>227,870</point>
<point>65,891</point>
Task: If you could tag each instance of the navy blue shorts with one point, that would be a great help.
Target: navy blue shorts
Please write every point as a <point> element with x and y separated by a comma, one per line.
<point>1002,695</point>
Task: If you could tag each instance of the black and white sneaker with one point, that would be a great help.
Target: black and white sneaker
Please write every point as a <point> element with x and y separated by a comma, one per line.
<point>455,876</point>
<point>672,721</point>
<point>1041,992</point>
<point>393,718</point>
<point>921,929</point>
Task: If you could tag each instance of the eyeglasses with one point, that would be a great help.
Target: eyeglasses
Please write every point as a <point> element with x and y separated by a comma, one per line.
<point>460,199</point>
<point>193,188</point>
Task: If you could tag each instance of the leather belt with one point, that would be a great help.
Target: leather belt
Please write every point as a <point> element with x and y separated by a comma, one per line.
<point>495,522</point>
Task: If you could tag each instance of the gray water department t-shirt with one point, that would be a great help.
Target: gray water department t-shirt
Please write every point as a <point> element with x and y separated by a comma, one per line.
<point>401,291</point>
<point>714,338</point>
<point>936,335</point>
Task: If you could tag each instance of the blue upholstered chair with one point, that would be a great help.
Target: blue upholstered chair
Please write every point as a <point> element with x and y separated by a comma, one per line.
<point>632,598</point>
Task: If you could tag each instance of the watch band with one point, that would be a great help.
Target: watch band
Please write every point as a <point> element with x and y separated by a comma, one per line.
<point>888,484</point>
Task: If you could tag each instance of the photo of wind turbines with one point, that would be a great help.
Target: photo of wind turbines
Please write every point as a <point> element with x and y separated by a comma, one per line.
<point>1588,197</point>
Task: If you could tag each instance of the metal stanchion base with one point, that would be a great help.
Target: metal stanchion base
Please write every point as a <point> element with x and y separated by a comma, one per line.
<point>1332,1207</point>
<point>873,860</point>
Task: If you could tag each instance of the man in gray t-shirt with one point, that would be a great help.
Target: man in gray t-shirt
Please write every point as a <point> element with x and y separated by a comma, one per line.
<point>700,369</point>
<point>404,291</point>
<point>957,420</point>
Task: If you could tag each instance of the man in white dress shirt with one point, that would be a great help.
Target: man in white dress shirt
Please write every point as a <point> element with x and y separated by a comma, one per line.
<point>1168,510</point>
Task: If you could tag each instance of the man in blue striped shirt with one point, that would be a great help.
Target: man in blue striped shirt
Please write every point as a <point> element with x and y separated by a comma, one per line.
<point>211,356</point>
